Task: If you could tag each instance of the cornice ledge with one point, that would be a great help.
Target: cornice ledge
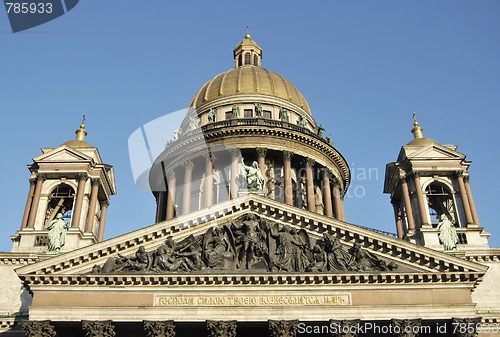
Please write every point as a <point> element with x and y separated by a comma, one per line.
<point>253,279</point>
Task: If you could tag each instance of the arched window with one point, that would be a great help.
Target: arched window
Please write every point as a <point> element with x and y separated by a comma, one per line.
<point>255,60</point>
<point>247,58</point>
<point>240,62</point>
<point>60,201</point>
<point>440,201</point>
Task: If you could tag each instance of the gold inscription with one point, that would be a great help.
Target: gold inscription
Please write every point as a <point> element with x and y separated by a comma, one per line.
<point>193,300</point>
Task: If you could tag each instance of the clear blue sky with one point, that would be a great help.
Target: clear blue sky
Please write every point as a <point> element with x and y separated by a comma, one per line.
<point>364,67</point>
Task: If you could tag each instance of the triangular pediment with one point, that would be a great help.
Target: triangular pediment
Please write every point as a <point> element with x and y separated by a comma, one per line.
<point>432,152</point>
<point>63,154</point>
<point>409,258</point>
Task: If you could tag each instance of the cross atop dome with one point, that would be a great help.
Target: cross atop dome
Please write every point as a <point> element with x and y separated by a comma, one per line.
<point>247,52</point>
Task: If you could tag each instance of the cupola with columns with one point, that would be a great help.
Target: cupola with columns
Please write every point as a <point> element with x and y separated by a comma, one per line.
<point>429,189</point>
<point>70,180</point>
<point>244,115</point>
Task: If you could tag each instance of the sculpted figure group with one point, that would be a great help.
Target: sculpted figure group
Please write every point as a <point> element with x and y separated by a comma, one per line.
<point>248,244</point>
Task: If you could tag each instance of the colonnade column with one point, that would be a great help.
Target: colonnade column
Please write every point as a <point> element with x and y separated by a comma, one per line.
<point>465,200</point>
<point>287,177</point>
<point>261,159</point>
<point>188,176</point>
<point>92,207</point>
<point>172,183</point>
<point>209,180</point>
<point>29,200</point>
<point>397,217</point>
<point>408,208</point>
<point>102,220</point>
<point>233,188</point>
<point>36,200</point>
<point>327,193</point>
<point>311,204</point>
<point>471,201</point>
<point>420,198</point>
<point>77,210</point>
<point>337,201</point>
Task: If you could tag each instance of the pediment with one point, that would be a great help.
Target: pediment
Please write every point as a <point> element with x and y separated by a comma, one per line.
<point>396,259</point>
<point>62,154</point>
<point>434,151</point>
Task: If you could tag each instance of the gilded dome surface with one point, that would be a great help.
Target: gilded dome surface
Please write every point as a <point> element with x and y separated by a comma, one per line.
<point>249,80</point>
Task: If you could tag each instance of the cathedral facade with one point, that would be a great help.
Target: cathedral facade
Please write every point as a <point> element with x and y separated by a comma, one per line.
<point>250,236</point>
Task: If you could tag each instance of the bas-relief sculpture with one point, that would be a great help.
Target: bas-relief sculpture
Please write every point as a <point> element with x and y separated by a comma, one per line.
<point>248,244</point>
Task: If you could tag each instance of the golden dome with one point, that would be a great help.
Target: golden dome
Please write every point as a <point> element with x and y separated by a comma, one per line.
<point>249,79</point>
<point>422,142</point>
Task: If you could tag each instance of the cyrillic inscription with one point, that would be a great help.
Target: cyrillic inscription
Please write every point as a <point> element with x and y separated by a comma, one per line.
<point>260,300</point>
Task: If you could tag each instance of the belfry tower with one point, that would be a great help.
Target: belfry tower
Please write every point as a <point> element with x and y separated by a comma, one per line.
<point>431,195</point>
<point>70,180</point>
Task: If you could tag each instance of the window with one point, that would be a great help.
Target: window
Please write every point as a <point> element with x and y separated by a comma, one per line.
<point>267,114</point>
<point>248,113</point>
<point>229,114</point>
<point>255,60</point>
<point>240,62</point>
<point>247,58</point>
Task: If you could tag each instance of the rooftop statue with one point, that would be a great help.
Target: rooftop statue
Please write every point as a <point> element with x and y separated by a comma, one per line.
<point>447,232</point>
<point>252,175</point>
<point>57,233</point>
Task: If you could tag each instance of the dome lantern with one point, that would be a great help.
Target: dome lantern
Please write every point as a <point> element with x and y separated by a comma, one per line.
<point>247,52</point>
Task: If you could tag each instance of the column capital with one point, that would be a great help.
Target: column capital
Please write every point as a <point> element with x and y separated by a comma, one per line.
<point>283,328</point>
<point>261,152</point>
<point>104,203</point>
<point>221,328</point>
<point>235,152</point>
<point>287,154</point>
<point>83,176</point>
<point>95,181</point>
<point>159,328</point>
<point>467,178</point>
<point>406,327</point>
<point>459,173</point>
<point>38,329</point>
<point>310,162</point>
<point>98,328</point>
<point>32,180</point>
<point>417,174</point>
<point>209,156</point>
<point>170,174</point>
<point>41,176</point>
<point>326,173</point>
<point>188,164</point>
